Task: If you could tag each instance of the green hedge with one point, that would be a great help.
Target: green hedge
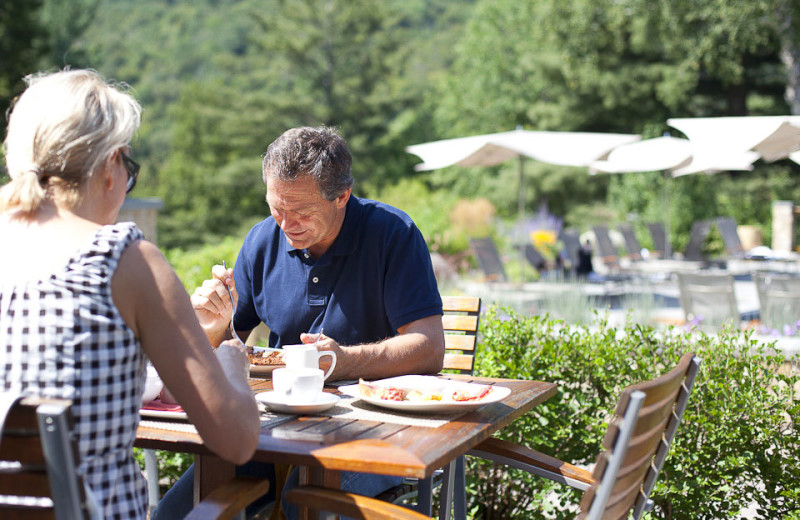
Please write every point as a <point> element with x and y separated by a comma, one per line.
<point>738,444</point>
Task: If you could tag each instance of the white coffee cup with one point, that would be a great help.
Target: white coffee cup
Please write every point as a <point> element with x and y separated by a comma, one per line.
<point>306,355</point>
<point>298,385</point>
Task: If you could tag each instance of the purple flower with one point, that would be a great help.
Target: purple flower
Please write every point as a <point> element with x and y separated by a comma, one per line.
<point>788,330</point>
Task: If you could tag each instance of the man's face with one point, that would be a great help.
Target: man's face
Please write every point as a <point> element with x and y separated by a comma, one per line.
<point>305,217</point>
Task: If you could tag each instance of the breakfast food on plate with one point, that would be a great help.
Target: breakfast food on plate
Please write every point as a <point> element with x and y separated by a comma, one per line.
<point>264,357</point>
<point>445,392</point>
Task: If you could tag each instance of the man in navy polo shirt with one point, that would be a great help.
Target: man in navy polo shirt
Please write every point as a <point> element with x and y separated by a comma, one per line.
<point>357,268</point>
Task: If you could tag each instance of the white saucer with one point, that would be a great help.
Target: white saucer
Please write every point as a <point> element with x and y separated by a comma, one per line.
<point>276,403</point>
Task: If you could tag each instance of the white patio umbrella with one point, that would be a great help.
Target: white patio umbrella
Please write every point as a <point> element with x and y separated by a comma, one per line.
<point>728,143</point>
<point>561,148</point>
<point>672,156</point>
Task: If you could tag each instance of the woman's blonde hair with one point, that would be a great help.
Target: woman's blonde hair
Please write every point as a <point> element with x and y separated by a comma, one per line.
<point>61,131</point>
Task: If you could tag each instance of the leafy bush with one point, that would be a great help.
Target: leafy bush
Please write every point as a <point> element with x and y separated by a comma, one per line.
<point>194,266</point>
<point>738,443</point>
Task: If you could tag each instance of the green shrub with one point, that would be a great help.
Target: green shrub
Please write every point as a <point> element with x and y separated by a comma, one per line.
<point>738,444</point>
<point>194,265</point>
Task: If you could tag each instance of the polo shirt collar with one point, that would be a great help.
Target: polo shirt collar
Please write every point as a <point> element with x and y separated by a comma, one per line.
<point>347,240</point>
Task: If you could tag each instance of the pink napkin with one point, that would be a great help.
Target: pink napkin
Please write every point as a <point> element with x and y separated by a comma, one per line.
<point>162,407</point>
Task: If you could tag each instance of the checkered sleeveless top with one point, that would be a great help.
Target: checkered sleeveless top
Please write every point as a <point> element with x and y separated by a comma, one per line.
<point>64,337</point>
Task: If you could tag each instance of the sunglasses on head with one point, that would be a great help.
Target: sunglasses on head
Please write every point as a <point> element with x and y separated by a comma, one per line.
<point>132,168</point>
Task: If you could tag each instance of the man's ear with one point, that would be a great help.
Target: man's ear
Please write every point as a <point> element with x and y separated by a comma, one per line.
<point>341,200</point>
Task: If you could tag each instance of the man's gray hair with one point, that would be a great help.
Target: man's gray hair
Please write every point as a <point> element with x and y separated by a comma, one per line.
<point>319,152</point>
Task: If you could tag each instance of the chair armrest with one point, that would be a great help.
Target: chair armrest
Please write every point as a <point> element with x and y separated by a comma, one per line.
<point>350,504</point>
<point>533,461</point>
<point>229,499</point>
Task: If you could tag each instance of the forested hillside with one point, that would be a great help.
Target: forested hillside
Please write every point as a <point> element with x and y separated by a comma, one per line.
<point>220,79</point>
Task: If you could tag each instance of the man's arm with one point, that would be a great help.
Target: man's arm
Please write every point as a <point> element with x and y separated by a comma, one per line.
<point>417,349</point>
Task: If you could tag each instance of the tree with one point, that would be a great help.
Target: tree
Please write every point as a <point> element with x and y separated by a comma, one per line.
<point>22,43</point>
<point>608,65</point>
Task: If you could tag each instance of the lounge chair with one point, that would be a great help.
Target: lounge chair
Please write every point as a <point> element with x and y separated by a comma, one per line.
<point>659,236</point>
<point>632,246</point>
<point>607,252</point>
<point>697,237</point>
<point>488,258</point>
<point>728,229</point>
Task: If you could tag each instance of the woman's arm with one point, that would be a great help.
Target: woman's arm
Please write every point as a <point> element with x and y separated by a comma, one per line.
<point>211,388</point>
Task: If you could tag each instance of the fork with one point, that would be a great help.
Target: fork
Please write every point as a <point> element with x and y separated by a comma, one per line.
<point>233,331</point>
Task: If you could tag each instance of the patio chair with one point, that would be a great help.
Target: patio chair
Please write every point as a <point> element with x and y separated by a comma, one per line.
<point>39,460</point>
<point>534,257</point>
<point>635,446</point>
<point>608,253</point>
<point>460,322</point>
<point>778,298</point>
<point>572,244</point>
<point>730,236</point>
<point>659,235</point>
<point>488,258</point>
<point>350,504</point>
<point>709,299</point>
<point>697,237</point>
<point>632,246</point>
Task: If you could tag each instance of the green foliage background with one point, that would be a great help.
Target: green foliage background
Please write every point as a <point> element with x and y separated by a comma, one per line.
<point>220,79</point>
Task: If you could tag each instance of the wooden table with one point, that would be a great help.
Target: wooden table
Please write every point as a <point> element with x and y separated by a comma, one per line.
<point>325,446</point>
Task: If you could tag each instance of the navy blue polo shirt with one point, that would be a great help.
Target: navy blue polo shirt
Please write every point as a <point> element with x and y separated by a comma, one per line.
<point>376,277</point>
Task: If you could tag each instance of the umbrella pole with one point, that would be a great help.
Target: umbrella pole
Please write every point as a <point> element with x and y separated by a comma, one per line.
<point>520,217</point>
<point>667,219</point>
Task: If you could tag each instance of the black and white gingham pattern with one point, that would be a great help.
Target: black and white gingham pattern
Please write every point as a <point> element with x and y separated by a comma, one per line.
<point>64,337</point>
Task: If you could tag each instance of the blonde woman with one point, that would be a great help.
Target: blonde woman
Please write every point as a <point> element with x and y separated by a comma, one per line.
<point>84,302</point>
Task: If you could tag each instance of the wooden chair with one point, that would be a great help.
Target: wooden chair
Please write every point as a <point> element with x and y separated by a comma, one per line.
<point>351,505</point>
<point>38,461</point>
<point>460,322</point>
<point>708,298</point>
<point>635,447</point>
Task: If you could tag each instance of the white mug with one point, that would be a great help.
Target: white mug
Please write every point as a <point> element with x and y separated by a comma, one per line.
<point>298,385</point>
<point>306,355</point>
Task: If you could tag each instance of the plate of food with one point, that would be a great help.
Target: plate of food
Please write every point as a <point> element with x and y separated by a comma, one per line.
<point>263,362</point>
<point>157,409</point>
<point>426,394</point>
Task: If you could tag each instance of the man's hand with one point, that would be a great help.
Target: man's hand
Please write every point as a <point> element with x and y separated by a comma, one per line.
<point>417,349</point>
<point>213,306</point>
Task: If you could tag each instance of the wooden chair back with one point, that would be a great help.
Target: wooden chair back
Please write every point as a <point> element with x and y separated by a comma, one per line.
<point>38,475</point>
<point>460,321</point>
<point>636,443</point>
<point>709,298</point>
